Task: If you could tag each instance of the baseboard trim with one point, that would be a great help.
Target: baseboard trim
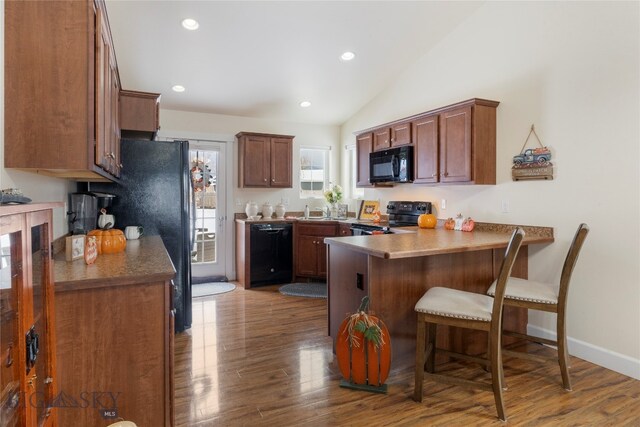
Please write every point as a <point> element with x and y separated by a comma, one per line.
<point>600,356</point>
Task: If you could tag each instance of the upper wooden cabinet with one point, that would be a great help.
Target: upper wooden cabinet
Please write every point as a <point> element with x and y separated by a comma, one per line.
<point>265,160</point>
<point>425,153</point>
<point>392,136</point>
<point>363,149</point>
<point>61,90</point>
<point>453,144</point>
<point>139,114</point>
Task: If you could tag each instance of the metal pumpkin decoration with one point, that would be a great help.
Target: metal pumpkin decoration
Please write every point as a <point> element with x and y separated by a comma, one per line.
<point>363,349</point>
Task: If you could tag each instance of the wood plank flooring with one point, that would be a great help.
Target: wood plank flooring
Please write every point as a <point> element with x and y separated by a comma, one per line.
<point>258,358</point>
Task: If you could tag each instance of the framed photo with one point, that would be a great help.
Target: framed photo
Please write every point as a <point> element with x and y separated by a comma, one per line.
<point>74,246</point>
<point>367,208</point>
<point>343,210</point>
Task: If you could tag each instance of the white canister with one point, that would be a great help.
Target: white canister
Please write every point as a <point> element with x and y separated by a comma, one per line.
<point>133,232</point>
<point>280,210</point>
<point>251,209</point>
<point>267,210</point>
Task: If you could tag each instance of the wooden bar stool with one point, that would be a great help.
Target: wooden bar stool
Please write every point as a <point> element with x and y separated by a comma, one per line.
<point>452,307</point>
<point>542,296</point>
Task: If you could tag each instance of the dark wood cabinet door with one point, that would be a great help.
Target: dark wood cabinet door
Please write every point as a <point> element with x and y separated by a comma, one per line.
<point>401,134</point>
<point>307,256</point>
<point>102,92</point>
<point>364,144</point>
<point>281,153</point>
<point>344,229</point>
<point>322,257</point>
<point>425,136</point>
<point>381,139</point>
<point>256,161</point>
<point>455,145</point>
<point>114,134</point>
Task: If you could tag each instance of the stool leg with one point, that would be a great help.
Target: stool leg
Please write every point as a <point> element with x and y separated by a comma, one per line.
<point>497,375</point>
<point>420,348</point>
<point>563,352</point>
<point>431,344</point>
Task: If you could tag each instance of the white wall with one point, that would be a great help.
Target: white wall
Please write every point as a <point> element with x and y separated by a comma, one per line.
<point>224,128</point>
<point>36,187</point>
<point>572,69</point>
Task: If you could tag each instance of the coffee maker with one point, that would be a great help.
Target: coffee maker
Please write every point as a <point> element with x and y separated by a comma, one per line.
<point>83,212</point>
<point>85,207</point>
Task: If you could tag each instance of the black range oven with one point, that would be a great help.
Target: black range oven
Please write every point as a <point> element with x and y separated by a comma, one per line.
<point>401,214</point>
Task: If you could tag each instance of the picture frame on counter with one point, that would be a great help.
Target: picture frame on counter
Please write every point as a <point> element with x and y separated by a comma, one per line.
<point>74,247</point>
<point>367,209</point>
<point>343,210</point>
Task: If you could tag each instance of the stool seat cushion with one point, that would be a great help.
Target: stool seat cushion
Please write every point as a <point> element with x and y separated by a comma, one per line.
<point>454,303</point>
<point>527,290</point>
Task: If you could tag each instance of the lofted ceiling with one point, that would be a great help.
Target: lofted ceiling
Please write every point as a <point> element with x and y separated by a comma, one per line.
<point>261,59</point>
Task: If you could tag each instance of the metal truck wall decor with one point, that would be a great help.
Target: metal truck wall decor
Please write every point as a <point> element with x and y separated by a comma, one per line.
<point>532,163</point>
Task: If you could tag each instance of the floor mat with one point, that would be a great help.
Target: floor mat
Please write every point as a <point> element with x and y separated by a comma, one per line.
<point>206,289</point>
<point>309,290</point>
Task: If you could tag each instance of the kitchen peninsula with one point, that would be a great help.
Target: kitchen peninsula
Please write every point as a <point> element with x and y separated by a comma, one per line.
<point>395,270</point>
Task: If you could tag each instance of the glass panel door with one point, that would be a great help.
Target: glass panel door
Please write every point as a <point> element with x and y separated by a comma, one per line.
<point>207,174</point>
<point>10,282</point>
<point>42,330</point>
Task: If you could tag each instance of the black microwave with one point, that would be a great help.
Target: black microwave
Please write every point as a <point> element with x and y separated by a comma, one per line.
<point>392,165</point>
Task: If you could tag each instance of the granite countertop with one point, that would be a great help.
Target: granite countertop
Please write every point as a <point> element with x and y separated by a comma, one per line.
<point>144,260</point>
<point>438,241</point>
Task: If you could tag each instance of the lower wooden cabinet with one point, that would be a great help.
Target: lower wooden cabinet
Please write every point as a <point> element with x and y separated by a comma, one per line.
<point>28,379</point>
<point>310,250</point>
<point>115,337</point>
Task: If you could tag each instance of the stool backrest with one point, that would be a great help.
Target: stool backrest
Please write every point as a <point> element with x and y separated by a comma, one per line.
<point>570,262</point>
<point>503,275</point>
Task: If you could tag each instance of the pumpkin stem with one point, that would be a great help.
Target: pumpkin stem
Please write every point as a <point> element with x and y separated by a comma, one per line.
<point>364,304</point>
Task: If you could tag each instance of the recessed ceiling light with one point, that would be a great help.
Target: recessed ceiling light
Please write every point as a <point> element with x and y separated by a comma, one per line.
<point>178,88</point>
<point>305,104</point>
<point>347,56</point>
<point>190,24</point>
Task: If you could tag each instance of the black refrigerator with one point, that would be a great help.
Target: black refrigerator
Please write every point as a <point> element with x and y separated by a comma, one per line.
<point>155,192</point>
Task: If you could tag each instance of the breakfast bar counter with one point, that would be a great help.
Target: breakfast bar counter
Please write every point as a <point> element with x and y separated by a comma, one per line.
<point>395,270</point>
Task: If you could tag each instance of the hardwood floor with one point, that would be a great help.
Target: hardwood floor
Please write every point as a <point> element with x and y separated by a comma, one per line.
<point>255,357</point>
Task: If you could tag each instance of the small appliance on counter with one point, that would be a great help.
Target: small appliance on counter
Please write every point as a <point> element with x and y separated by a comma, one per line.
<point>401,214</point>
<point>84,210</point>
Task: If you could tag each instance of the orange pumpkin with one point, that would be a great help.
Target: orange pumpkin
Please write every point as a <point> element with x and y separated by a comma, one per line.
<point>450,224</point>
<point>110,241</point>
<point>427,221</point>
<point>363,348</point>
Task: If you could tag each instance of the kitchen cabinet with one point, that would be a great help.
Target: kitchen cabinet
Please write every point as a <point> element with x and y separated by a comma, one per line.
<point>139,114</point>
<point>265,160</point>
<point>364,145</point>
<point>115,336</point>
<point>61,90</point>
<point>467,143</point>
<point>310,250</point>
<point>452,144</point>
<point>425,152</point>
<point>344,229</point>
<point>392,136</point>
<point>28,377</point>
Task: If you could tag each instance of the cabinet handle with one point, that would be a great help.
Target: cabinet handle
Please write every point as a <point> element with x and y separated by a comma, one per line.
<point>446,174</point>
<point>48,380</point>
<point>31,380</point>
<point>273,180</point>
<point>434,175</point>
<point>265,180</point>
<point>120,165</point>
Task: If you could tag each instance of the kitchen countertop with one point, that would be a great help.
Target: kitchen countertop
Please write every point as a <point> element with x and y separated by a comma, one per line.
<point>439,241</point>
<point>143,260</point>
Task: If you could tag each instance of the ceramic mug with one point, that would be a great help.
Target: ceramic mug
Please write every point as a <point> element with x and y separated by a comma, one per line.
<point>133,232</point>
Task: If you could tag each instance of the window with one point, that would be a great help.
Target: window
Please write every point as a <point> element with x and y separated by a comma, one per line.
<point>314,172</point>
<point>352,172</point>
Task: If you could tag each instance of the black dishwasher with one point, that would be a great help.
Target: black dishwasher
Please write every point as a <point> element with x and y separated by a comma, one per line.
<point>271,247</point>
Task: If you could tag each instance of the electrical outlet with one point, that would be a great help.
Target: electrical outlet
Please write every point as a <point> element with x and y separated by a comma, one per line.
<point>443,204</point>
<point>285,201</point>
<point>505,206</point>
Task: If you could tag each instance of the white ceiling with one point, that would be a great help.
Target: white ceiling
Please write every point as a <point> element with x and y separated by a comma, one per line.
<point>261,59</point>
